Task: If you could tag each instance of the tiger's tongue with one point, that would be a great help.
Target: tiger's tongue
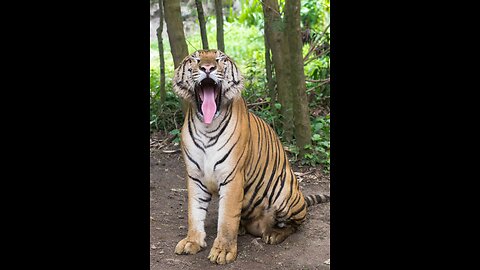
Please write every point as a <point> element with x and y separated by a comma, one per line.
<point>208,106</point>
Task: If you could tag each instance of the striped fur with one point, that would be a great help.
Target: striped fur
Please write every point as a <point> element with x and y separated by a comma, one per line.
<point>237,157</point>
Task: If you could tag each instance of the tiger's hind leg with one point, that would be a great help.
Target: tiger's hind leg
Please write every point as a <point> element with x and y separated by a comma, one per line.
<point>264,225</point>
<point>276,235</point>
<point>286,222</point>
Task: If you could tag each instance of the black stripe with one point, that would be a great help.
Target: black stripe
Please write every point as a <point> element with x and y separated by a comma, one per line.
<point>205,200</point>
<point>203,208</point>
<point>277,164</point>
<point>226,181</point>
<point>233,74</point>
<point>283,179</point>
<point>190,119</point>
<point>193,137</point>
<point>253,175</point>
<point>183,71</point>
<point>235,128</point>
<point>252,197</point>
<point>234,169</point>
<point>295,202</point>
<point>259,150</point>
<point>228,113</point>
<point>216,137</point>
<point>245,190</point>
<point>191,159</point>
<point>258,161</point>
<point>299,220</point>
<point>226,155</point>
<point>273,191</point>
<point>286,202</point>
<point>298,211</point>
<point>259,183</point>
<point>308,199</point>
<point>272,174</point>
<point>200,185</point>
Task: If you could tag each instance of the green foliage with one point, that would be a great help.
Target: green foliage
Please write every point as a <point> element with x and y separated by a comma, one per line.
<point>252,13</point>
<point>166,116</point>
<point>315,14</point>
<point>319,150</point>
<point>176,132</point>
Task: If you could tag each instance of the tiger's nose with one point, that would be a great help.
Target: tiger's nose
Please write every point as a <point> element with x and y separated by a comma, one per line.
<point>207,68</point>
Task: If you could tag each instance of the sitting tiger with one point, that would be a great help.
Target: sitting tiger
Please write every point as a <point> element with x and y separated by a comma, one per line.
<point>231,152</point>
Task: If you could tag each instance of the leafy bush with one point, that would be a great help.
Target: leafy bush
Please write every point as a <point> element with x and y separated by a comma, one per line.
<point>167,116</point>
<point>320,148</point>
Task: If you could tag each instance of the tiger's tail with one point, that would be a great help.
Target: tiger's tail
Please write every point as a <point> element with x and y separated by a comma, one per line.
<point>316,199</point>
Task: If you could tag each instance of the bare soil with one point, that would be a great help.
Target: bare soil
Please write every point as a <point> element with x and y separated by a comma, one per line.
<point>308,248</point>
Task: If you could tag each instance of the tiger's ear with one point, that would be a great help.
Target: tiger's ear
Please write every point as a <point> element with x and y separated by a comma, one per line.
<point>194,58</point>
<point>221,57</point>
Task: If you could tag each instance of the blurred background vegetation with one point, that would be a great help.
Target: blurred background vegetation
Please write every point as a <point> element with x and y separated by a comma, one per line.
<point>244,41</point>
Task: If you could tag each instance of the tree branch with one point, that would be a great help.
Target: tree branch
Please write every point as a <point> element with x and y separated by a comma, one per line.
<point>314,43</point>
<point>263,3</point>
<point>318,56</point>
<point>327,80</point>
<point>322,82</point>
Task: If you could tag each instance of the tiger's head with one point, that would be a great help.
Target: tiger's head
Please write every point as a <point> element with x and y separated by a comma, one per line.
<point>209,80</point>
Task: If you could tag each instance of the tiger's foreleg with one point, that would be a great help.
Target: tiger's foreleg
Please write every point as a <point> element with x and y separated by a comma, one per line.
<point>224,248</point>
<point>198,200</point>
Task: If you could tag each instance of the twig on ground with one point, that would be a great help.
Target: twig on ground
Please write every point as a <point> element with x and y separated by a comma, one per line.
<point>171,151</point>
<point>299,174</point>
<point>258,103</point>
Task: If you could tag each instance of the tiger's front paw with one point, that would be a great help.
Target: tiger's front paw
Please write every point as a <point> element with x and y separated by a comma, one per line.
<point>223,251</point>
<point>191,244</point>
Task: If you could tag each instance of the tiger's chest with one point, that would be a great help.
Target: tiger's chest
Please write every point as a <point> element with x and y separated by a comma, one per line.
<point>209,160</point>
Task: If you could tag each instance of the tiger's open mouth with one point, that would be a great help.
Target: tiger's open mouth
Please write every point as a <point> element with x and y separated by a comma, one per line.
<point>208,97</point>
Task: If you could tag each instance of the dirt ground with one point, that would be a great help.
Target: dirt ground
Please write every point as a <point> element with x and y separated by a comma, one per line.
<point>308,248</point>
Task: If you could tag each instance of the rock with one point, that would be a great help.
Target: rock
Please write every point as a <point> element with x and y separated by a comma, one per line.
<point>257,242</point>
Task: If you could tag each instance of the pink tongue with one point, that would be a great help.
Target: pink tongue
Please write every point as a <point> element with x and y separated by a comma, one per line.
<point>208,106</point>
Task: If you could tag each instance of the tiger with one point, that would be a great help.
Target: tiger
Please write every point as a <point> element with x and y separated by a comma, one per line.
<point>231,153</point>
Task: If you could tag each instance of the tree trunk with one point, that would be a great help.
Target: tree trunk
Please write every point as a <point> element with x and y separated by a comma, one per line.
<point>268,70</point>
<point>277,41</point>
<point>302,130</point>
<point>219,15</point>
<point>176,36</point>
<point>201,21</point>
<point>161,53</point>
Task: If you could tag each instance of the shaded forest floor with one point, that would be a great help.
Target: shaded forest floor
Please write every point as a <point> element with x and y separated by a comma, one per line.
<point>308,248</point>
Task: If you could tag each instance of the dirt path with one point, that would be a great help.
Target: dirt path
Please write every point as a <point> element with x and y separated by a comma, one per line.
<point>308,248</point>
